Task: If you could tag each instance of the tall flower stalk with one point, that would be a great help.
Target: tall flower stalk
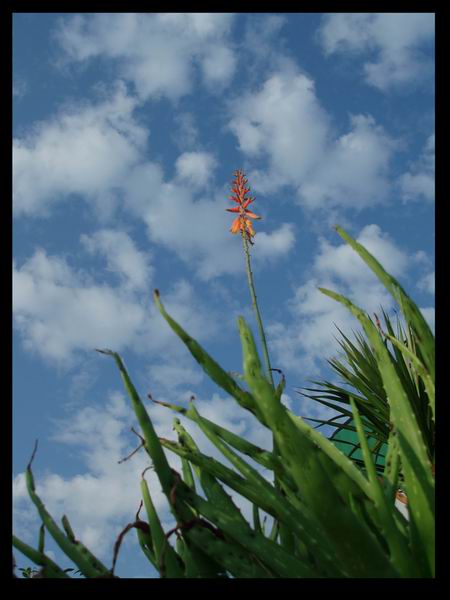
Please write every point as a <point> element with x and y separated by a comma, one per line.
<point>243,225</point>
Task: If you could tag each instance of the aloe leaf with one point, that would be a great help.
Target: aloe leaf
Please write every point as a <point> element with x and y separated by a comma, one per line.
<point>398,547</point>
<point>392,465</point>
<point>429,384</point>
<point>420,494</point>
<point>314,472</point>
<point>188,477</point>
<point>88,564</point>
<point>209,365</point>
<point>41,541</point>
<point>165,556</point>
<point>257,489</point>
<point>249,482</point>
<point>375,406</point>
<point>400,409</point>
<point>198,564</point>
<point>229,517</point>
<point>412,313</point>
<point>277,561</point>
<point>390,480</point>
<point>259,455</point>
<point>204,545</point>
<point>153,447</point>
<point>146,544</point>
<point>213,490</point>
<point>307,528</point>
<point>200,535</point>
<point>164,553</point>
<point>86,552</point>
<point>256,520</point>
<point>51,569</point>
<point>403,370</point>
<point>280,387</point>
<point>339,459</point>
<point>415,461</point>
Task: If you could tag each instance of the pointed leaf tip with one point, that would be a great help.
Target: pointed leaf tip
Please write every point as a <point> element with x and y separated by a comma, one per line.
<point>104,351</point>
<point>157,298</point>
<point>33,454</point>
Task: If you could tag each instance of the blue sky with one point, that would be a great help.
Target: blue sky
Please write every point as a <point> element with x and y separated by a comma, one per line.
<point>127,131</point>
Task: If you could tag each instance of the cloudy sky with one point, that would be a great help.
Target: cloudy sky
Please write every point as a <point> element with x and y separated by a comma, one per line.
<point>127,131</point>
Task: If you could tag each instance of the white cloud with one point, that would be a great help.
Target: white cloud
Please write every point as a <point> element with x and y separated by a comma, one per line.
<point>422,258</point>
<point>122,257</point>
<point>156,52</point>
<point>354,169</point>
<point>141,186</point>
<point>197,231</point>
<point>202,25</point>
<point>82,380</point>
<point>307,338</point>
<point>284,123</point>
<point>427,283</point>
<point>396,38</point>
<point>275,244</point>
<point>343,262</point>
<point>20,87</point>
<point>414,186</point>
<point>429,314</point>
<point>218,67</point>
<point>419,182</point>
<point>261,33</point>
<point>195,168</point>
<point>170,375</point>
<point>85,149</point>
<point>60,312</point>
<point>186,134</point>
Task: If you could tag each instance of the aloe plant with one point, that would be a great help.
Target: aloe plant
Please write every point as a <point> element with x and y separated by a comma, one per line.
<point>361,382</point>
<point>357,368</point>
<point>342,520</point>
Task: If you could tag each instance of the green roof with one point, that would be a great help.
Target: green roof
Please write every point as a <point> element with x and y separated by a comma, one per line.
<point>347,442</point>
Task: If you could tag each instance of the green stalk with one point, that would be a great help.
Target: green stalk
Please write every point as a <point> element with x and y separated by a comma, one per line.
<point>285,537</point>
<point>255,306</point>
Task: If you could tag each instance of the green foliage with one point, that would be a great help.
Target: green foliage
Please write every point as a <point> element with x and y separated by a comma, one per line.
<point>357,368</point>
<point>333,517</point>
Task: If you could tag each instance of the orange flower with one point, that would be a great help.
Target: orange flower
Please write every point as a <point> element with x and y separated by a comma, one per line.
<point>242,221</point>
